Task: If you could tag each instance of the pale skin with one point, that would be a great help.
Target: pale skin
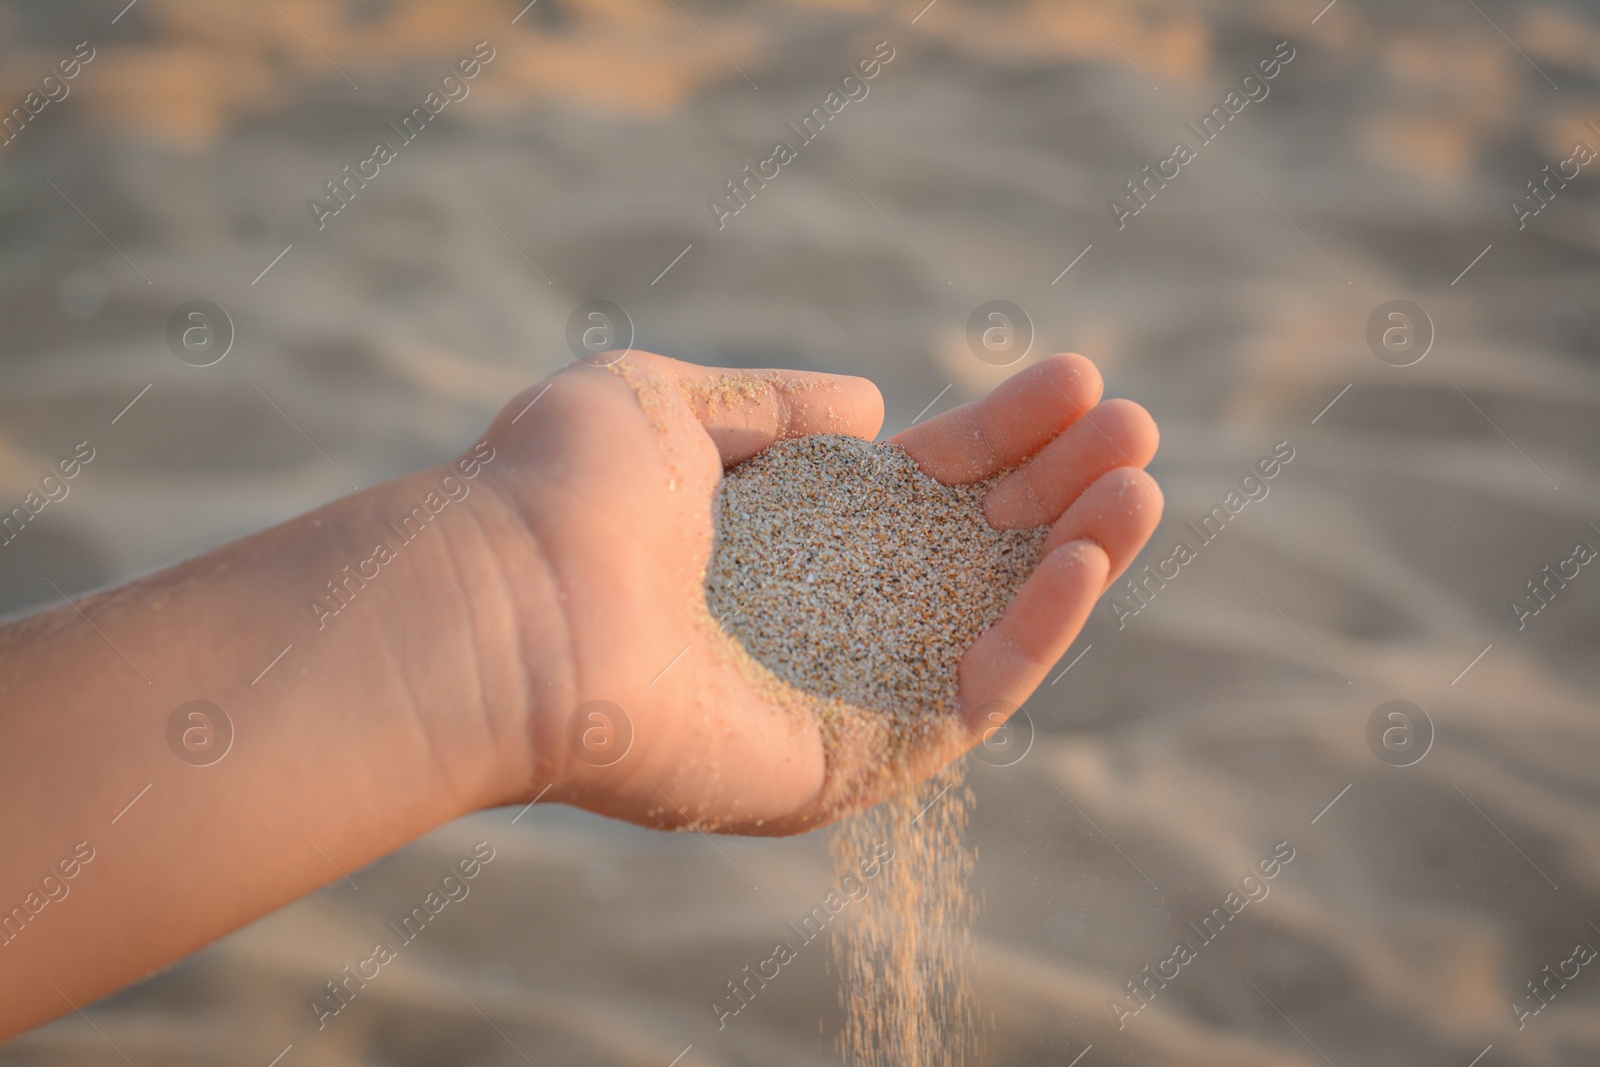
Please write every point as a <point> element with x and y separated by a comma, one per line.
<point>570,572</point>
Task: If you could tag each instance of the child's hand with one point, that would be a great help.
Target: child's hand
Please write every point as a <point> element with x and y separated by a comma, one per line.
<point>360,685</point>
<point>589,554</point>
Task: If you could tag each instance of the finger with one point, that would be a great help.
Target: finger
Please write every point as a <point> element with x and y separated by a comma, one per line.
<point>1118,512</point>
<point>1022,414</point>
<point>744,411</point>
<point>1007,663</point>
<point>1117,433</point>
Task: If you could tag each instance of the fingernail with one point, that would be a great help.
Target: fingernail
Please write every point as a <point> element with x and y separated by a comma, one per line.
<point>1079,551</point>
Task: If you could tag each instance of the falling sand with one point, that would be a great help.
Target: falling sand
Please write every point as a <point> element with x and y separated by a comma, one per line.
<point>849,574</point>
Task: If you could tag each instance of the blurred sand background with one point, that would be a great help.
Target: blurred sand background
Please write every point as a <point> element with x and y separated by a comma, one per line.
<point>1174,754</point>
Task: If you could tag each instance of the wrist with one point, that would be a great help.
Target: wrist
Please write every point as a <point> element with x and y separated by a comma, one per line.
<point>482,638</point>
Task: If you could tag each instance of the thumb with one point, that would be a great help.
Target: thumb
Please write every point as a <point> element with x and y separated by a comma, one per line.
<point>744,411</point>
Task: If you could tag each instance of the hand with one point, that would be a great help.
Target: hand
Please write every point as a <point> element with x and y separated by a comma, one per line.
<point>600,526</point>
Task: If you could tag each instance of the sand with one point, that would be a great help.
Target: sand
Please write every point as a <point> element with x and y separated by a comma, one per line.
<point>904,959</point>
<point>1192,740</point>
<point>851,575</point>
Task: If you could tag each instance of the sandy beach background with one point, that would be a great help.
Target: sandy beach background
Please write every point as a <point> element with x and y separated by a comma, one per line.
<point>1228,716</point>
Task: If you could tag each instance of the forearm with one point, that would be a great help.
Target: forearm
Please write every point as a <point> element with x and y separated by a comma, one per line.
<point>357,726</point>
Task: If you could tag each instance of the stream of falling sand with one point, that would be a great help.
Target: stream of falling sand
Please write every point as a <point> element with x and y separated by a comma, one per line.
<point>904,957</point>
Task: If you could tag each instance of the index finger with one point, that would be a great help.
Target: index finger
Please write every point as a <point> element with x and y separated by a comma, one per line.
<point>1022,415</point>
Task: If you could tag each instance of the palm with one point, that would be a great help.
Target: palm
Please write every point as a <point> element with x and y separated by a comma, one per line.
<point>613,475</point>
